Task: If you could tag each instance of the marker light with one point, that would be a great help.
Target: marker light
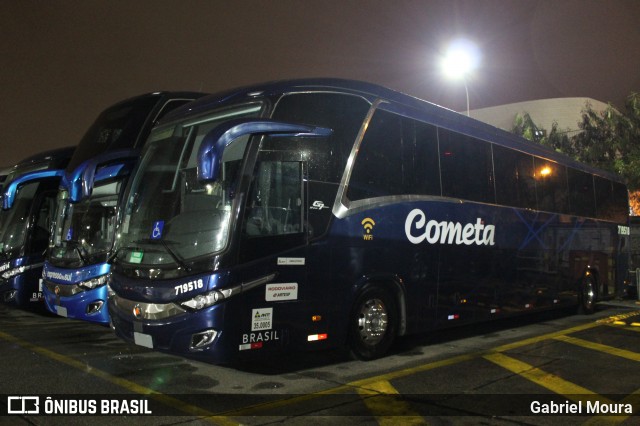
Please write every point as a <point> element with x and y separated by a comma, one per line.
<point>316,337</point>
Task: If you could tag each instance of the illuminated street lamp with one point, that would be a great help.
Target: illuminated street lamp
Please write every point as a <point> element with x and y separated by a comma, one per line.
<point>461,58</point>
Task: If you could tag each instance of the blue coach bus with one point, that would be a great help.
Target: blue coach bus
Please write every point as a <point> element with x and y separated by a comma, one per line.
<point>28,206</point>
<point>76,270</point>
<point>310,214</point>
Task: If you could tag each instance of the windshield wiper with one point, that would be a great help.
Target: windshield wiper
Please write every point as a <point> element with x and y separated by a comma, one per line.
<point>77,249</point>
<point>165,245</point>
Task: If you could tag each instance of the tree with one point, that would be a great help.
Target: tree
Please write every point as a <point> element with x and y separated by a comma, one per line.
<point>609,140</point>
<point>554,139</point>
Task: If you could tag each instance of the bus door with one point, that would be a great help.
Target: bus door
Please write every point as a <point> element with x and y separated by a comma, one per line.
<point>273,246</point>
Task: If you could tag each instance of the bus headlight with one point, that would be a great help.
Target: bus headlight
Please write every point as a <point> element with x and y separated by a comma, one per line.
<point>94,282</point>
<point>13,272</point>
<point>202,301</point>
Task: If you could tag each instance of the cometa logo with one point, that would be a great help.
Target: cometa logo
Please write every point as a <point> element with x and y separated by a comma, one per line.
<point>418,229</point>
<point>368,224</point>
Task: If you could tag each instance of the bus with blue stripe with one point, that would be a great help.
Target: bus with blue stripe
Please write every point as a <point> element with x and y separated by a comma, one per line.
<point>76,270</point>
<point>86,212</point>
<point>28,207</point>
<point>311,214</point>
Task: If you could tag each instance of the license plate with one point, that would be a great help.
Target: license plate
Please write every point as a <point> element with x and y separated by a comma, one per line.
<point>142,339</point>
<point>62,311</point>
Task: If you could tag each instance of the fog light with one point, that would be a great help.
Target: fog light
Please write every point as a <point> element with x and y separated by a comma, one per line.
<point>202,339</point>
<point>94,307</point>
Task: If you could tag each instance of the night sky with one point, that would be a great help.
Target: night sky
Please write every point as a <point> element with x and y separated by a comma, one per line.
<point>65,61</point>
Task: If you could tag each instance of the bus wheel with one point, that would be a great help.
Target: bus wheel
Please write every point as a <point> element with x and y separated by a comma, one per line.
<point>588,295</point>
<point>373,324</point>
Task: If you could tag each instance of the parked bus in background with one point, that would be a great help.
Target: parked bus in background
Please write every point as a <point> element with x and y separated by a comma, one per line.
<point>28,206</point>
<point>76,270</point>
<point>318,213</point>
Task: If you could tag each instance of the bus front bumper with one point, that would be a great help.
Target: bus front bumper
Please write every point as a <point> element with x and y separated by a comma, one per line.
<point>66,300</point>
<point>196,334</point>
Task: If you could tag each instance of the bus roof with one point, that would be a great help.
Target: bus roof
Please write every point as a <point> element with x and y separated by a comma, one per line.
<point>52,159</point>
<point>133,117</point>
<point>57,158</point>
<point>405,104</point>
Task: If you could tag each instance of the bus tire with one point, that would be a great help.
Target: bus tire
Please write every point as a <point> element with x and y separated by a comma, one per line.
<point>588,295</point>
<point>373,323</point>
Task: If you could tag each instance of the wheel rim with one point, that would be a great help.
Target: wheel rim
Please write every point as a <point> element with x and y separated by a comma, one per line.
<point>372,321</point>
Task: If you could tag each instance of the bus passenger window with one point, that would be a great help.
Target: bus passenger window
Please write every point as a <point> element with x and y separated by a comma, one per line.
<point>398,156</point>
<point>551,186</point>
<point>275,202</point>
<point>466,167</point>
<point>581,193</point>
<point>515,183</point>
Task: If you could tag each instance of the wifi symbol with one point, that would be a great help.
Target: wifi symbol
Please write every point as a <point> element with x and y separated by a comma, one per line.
<point>368,224</point>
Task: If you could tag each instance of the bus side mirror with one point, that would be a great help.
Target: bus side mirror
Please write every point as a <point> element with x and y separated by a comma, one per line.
<point>80,182</point>
<point>11,189</point>
<point>215,142</point>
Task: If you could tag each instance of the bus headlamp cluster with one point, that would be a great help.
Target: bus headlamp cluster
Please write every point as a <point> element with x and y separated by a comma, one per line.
<point>94,282</point>
<point>13,272</point>
<point>202,301</point>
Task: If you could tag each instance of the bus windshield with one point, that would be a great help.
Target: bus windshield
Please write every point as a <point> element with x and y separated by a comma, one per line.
<point>14,222</point>
<point>85,230</point>
<point>115,128</point>
<point>170,216</point>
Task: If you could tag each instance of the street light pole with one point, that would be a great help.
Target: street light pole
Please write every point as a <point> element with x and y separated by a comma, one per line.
<point>466,89</point>
<point>461,58</point>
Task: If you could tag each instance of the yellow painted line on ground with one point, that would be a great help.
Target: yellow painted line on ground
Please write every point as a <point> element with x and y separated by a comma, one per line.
<point>388,411</point>
<point>633,399</point>
<point>609,350</point>
<point>548,336</point>
<point>365,383</point>
<point>544,379</point>
<point>126,384</point>
<point>352,386</point>
<point>563,387</point>
<point>222,418</point>
<point>627,328</point>
<point>619,317</point>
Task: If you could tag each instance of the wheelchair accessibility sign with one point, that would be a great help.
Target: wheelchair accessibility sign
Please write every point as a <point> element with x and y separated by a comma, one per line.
<point>158,228</point>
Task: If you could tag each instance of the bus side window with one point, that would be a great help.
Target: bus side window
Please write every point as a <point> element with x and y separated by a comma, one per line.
<point>515,180</point>
<point>398,156</point>
<point>42,223</point>
<point>273,219</point>
<point>581,193</point>
<point>551,186</point>
<point>275,202</point>
<point>466,167</point>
